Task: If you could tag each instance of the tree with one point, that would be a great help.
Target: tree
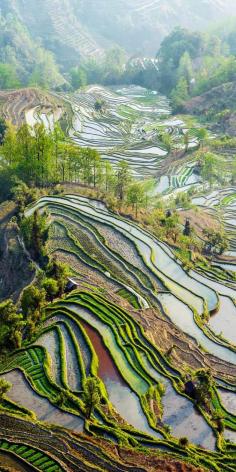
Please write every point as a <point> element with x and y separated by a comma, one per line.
<point>113,65</point>
<point>233,174</point>
<point>209,168</point>
<point>171,226</point>
<point>32,300</point>
<point>122,179</point>
<point>202,135</point>
<point>185,70</point>
<point>8,312</point>
<point>4,388</point>
<point>183,442</point>
<point>43,153</point>
<point>45,72</point>
<point>135,195</point>
<point>179,44</point>
<point>91,395</point>
<point>51,287</point>
<point>9,149</point>
<point>187,228</point>
<point>58,137</point>
<point>203,385</point>
<point>11,325</point>
<point>167,140</point>
<point>3,128</point>
<point>99,105</point>
<point>35,233</point>
<point>78,77</point>
<point>60,272</point>
<point>186,140</point>
<point>109,176</point>
<point>95,161</point>
<point>22,194</point>
<point>180,94</point>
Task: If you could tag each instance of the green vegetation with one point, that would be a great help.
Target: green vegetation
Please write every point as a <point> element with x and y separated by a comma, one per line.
<point>58,341</point>
<point>216,241</point>
<point>32,456</point>
<point>4,388</point>
<point>17,47</point>
<point>11,326</point>
<point>91,396</point>
<point>35,232</point>
<point>192,63</point>
<point>136,358</point>
<point>3,128</point>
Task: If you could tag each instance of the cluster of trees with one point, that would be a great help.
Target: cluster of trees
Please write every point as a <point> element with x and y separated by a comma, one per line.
<point>35,233</point>
<point>11,326</point>
<point>33,155</point>
<point>91,395</point>
<point>199,386</point>
<point>212,167</point>
<point>108,70</point>
<point>216,241</point>
<point>115,69</point>
<point>166,225</point>
<point>191,63</point>
<point>21,319</point>
<point>40,157</point>
<point>23,61</point>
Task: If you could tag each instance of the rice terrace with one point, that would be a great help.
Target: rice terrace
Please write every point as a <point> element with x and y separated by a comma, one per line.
<point>117,237</point>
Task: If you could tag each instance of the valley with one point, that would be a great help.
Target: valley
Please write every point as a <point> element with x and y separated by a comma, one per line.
<point>144,330</point>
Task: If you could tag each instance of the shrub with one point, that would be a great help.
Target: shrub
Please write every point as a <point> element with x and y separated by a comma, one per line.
<point>183,442</point>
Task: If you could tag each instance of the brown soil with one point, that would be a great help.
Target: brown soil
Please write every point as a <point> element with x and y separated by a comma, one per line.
<point>157,464</point>
<point>14,104</point>
<point>199,220</point>
<point>184,350</point>
<point>215,101</point>
<point>75,450</point>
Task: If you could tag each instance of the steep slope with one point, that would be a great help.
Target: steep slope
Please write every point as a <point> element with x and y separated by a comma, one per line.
<point>218,104</point>
<point>83,28</point>
<point>56,24</point>
<point>15,269</point>
<point>140,25</point>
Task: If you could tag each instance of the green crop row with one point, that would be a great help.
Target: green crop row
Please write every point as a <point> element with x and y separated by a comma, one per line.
<point>32,456</point>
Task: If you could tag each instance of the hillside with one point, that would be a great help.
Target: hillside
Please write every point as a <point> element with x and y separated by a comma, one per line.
<point>74,29</point>
<point>15,269</point>
<point>57,26</point>
<point>218,105</point>
<point>140,25</point>
<point>117,355</point>
<point>30,105</point>
<point>117,236</point>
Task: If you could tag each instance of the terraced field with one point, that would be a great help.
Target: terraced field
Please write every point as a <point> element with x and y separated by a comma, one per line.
<point>123,275</point>
<point>137,321</point>
<point>221,205</point>
<point>30,105</point>
<point>128,126</point>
